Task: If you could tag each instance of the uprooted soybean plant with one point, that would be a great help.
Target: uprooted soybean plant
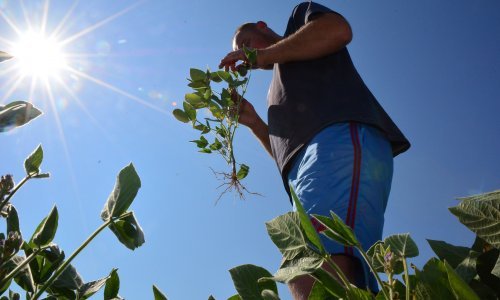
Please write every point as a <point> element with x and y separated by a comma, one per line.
<point>224,108</point>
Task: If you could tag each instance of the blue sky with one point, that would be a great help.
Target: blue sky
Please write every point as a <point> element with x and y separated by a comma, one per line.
<point>434,67</point>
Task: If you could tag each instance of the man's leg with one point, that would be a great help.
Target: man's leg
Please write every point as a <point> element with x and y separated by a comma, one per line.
<point>347,169</point>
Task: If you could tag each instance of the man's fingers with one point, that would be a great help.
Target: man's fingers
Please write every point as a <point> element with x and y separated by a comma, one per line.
<point>229,62</point>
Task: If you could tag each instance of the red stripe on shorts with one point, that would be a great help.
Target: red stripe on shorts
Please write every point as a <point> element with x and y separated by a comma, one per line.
<point>353,199</point>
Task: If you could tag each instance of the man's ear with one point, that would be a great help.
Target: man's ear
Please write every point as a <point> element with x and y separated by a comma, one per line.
<point>261,24</point>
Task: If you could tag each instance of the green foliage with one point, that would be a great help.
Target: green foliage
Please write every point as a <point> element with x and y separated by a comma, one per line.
<point>44,268</point>
<point>223,107</point>
<point>16,114</point>
<point>480,214</point>
<point>458,272</point>
<point>246,281</point>
<point>158,295</point>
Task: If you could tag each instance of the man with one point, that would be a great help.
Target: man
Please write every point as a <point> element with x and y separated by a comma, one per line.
<point>331,139</point>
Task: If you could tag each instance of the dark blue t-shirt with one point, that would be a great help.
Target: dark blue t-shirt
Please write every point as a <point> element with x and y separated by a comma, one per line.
<point>306,96</point>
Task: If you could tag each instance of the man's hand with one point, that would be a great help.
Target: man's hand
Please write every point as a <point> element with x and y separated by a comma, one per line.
<point>247,114</point>
<point>230,60</point>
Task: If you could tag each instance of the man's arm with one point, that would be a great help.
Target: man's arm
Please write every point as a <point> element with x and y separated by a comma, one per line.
<point>325,34</point>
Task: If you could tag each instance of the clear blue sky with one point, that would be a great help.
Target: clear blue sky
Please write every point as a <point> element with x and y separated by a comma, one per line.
<point>434,66</point>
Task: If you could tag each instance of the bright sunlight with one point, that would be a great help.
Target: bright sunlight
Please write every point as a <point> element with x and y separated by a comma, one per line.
<point>39,56</point>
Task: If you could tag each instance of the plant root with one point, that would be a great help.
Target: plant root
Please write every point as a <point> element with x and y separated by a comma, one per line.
<point>231,184</point>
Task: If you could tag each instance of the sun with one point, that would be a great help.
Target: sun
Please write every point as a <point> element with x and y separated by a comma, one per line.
<point>39,56</point>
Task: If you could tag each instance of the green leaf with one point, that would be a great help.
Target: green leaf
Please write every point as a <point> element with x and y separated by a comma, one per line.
<point>207,94</point>
<point>198,85</point>
<point>17,114</point>
<point>402,245</point>
<point>215,77</point>
<point>46,263</point>
<point>481,214</point>
<point>5,56</point>
<point>216,110</point>
<point>206,150</point>
<point>24,278</point>
<point>482,290</point>
<point>197,75</point>
<point>13,296</point>
<point>291,269</point>
<point>225,98</point>
<point>190,111</point>
<point>246,281</point>
<point>460,289</point>
<point>496,269</point>
<point>128,231</point>
<point>42,175</point>
<point>242,69</point>
<point>196,100</point>
<point>337,230</point>
<point>46,230</point>
<point>305,223</point>
<point>112,286</point>
<point>158,294</point>
<point>233,297</point>
<point>286,234</point>
<point>251,55</point>
<point>67,284</point>
<point>226,76</point>
<point>33,162</point>
<point>243,171</point>
<point>12,220</point>
<point>126,187</point>
<point>90,288</point>
<point>180,115</point>
<point>318,292</point>
<point>201,143</point>
<point>467,268</point>
<point>485,265</point>
<point>355,293</point>
<point>216,145</point>
<point>432,282</point>
<point>204,129</point>
<point>454,255</point>
<point>220,131</point>
<point>269,295</point>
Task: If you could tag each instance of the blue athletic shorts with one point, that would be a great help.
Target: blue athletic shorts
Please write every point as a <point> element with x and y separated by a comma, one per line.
<point>346,168</point>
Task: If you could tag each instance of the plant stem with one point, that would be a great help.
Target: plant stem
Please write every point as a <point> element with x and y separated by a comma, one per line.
<point>407,279</point>
<point>63,267</point>
<point>14,272</point>
<point>363,253</point>
<point>390,280</point>
<point>14,190</point>
<point>339,272</point>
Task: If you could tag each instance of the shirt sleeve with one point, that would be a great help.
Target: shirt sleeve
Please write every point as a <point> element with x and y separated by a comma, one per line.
<point>303,13</point>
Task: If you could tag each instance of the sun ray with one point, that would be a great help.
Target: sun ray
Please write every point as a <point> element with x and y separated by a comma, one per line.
<point>10,22</point>
<point>11,90</point>
<point>8,70</point>
<point>45,16</point>
<point>61,24</point>
<point>116,90</point>
<point>32,88</point>
<point>83,107</point>
<point>65,144</point>
<point>6,41</point>
<point>26,16</point>
<point>99,24</point>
